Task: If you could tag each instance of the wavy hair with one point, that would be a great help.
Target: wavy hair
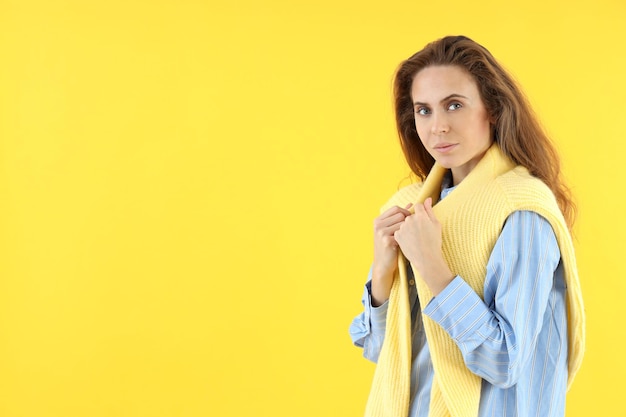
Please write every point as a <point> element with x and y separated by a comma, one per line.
<point>516,128</point>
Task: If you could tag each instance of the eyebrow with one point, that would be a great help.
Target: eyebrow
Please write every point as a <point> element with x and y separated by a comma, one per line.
<point>453,95</point>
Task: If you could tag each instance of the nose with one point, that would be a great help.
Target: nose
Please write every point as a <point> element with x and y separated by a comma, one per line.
<point>440,124</point>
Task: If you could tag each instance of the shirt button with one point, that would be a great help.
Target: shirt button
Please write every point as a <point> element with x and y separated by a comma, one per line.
<point>412,282</point>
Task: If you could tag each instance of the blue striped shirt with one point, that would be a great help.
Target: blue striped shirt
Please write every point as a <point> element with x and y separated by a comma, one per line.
<point>515,339</point>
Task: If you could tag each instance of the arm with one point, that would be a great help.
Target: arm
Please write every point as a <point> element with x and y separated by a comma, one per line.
<point>368,329</point>
<point>498,336</point>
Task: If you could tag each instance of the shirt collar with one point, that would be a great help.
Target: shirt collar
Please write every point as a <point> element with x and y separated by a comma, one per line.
<point>446,185</point>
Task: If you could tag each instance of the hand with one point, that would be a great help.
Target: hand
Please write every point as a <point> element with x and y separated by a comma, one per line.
<point>386,251</point>
<point>420,239</point>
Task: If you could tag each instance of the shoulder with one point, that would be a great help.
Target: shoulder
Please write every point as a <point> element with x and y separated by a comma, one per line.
<point>525,191</point>
<point>403,196</point>
<point>523,223</point>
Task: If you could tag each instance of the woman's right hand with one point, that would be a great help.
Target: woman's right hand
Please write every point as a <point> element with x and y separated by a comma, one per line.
<point>386,251</point>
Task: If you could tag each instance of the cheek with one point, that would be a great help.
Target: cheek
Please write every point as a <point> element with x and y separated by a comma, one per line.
<point>481,126</point>
<point>421,129</point>
<point>486,121</point>
<point>486,130</point>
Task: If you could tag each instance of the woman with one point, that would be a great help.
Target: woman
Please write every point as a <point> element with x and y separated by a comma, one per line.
<point>473,305</point>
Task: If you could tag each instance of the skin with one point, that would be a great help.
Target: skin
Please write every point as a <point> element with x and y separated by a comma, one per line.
<point>385,251</point>
<point>455,128</point>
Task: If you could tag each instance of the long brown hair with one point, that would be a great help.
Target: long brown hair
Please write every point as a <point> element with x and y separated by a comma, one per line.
<point>516,129</point>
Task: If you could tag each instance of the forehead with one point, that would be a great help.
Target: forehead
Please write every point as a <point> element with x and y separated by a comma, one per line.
<point>436,82</point>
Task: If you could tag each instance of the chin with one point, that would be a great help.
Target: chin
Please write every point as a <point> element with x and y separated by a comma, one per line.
<point>448,163</point>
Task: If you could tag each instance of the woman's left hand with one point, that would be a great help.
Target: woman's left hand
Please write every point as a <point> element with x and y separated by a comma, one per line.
<point>420,240</point>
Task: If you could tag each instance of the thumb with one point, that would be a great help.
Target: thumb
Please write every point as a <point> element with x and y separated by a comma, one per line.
<point>428,207</point>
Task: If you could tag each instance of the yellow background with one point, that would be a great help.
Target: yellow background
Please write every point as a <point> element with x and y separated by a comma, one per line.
<point>187,191</point>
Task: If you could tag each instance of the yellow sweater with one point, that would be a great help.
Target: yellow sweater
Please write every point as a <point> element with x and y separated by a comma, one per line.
<point>472,217</point>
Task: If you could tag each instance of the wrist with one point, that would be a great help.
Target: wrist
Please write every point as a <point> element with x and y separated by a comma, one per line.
<point>382,274</point>
<point>438,276</point>
<point>382,282</point>
<point>440,284</point>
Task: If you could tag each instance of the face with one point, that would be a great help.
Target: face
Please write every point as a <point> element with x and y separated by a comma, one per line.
<point>450,118</point>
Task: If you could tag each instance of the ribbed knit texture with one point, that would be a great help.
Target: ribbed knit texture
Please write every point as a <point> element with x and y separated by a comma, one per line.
<point>472,217</point>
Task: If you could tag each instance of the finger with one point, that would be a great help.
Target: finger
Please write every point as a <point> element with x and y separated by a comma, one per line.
<point>394,209</point>
<point>405,210</point>
<point>381,234</point>
<point>428,204</point>
<point>390,242</point>
<point>390,230</point>
<point>397,218</point>
<point>419,209</point>
<point>428,208</point>
<point>398,236</point>
<point>394,215</point>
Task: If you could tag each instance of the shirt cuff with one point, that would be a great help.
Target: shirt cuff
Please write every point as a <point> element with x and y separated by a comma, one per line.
<point>378,318</point>
<point>458,309</point>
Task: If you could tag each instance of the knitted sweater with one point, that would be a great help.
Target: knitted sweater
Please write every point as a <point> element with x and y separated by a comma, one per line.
<point>472,217</point>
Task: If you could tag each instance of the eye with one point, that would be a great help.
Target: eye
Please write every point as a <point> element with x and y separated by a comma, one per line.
<point>422,111</point>
<point>454,106</point>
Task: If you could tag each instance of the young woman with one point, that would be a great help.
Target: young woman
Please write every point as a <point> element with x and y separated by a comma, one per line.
<point>473,304</point>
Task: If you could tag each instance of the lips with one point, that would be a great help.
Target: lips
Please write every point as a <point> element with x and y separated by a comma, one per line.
<point>445,147</point>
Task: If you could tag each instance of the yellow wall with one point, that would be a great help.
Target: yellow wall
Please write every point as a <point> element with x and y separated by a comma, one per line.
<point>187,190</point>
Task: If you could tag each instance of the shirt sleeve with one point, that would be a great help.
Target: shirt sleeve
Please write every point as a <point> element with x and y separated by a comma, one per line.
<point>368,328</point>
<point>497,337</point>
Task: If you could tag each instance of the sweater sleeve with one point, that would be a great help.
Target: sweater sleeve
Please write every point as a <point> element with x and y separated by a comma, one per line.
<point>523,293</point>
